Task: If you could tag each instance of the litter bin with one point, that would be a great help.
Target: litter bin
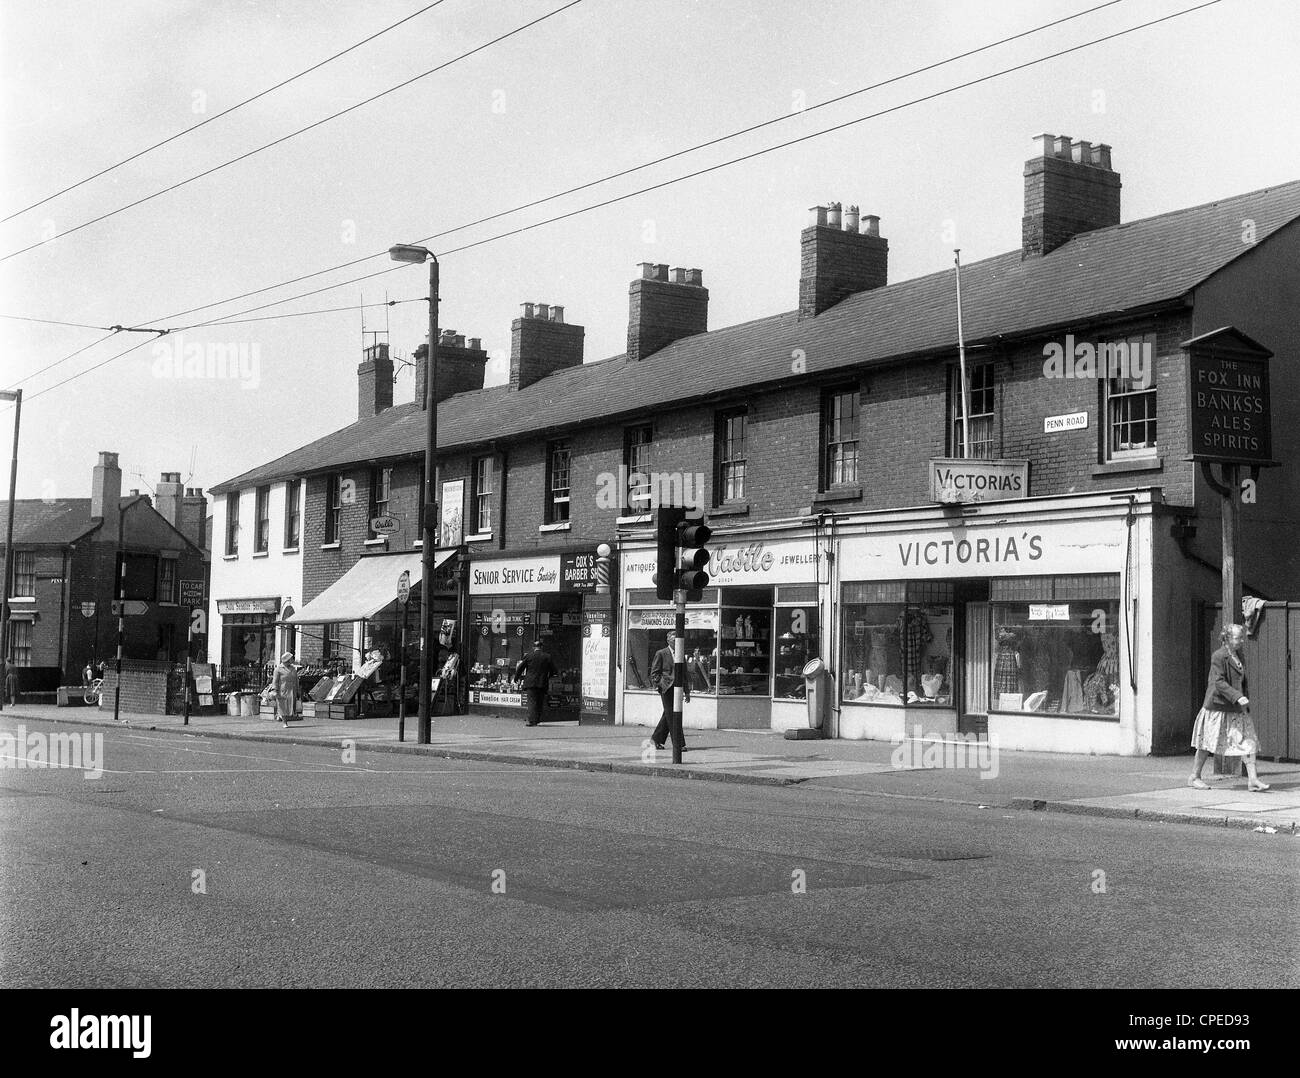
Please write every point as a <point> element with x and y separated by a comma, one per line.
<point>247,705</point>
<point>817,692</point>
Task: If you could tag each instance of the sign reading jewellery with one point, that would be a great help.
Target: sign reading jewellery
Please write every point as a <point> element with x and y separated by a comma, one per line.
<point>740,562</point>
<point>1040,549</point>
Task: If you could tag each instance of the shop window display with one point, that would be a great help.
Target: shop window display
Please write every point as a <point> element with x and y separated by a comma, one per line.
<point>797,630</point>
<point>745,643</point>
<point>1058,657</point>
<point>898,652</point>
<point>647,634</point>
<point>498,647</point>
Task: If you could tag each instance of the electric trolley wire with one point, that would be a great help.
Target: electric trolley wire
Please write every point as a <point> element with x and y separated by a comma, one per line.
<point>70,355</point>
<point>291,134</point>
<point>713,168</point>
<point>225,112</point>
<point>744,157</point>
<point>644,165</point>
<point>52,322</point>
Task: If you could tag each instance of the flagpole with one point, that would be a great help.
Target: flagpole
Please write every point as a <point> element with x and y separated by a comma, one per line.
<point>961,353</point>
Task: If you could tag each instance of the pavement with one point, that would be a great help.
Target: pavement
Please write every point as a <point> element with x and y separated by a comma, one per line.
<point>1150,788</point>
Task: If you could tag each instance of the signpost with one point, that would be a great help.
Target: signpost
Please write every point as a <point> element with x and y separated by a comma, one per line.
<point>192,593</point>
<point>956,479</point>
<point>1228,423</point>
<point>384,525</point>
<point>129,607</point>
<point>191,597</point>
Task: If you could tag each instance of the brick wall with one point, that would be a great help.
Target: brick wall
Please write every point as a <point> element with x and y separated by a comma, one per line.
<point>144,687</point>
<point>1064,198</point>
<point>661,311</point>
<point>834,263</point>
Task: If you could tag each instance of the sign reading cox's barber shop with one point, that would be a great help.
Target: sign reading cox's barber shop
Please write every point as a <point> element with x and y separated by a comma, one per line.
<point>548,572</point>
<point>1043,549</point>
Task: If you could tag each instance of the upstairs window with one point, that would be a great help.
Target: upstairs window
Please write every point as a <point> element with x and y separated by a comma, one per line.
<point>482,497</point>
<point>262,535</point>
<point>637,443</point>
<point>333,507</point>
<point>840,436</point>
<point>1129,387</point>
<point>292,514</point>
<point>381,485</point>
<point>167,583</point>
<point>558,460</point>
<point>981,414</point>
<point>24,574</point>
<point>730,441</point>
<point>232,524</point>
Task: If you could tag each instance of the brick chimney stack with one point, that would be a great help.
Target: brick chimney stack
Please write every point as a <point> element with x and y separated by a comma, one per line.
<point>106,497</point>
<point>1069,188</point>
<point>461,366</point>
<point>541,343</point>
<point>374,382</point>
<point>194,516</point>
<point>167,498</point>
<point>662,310</point>
<point>840,254</point>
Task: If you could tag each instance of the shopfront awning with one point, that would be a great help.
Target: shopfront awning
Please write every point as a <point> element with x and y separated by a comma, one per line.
<point>363,590</point>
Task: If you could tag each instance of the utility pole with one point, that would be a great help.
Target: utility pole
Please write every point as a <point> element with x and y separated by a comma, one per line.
<point>15,395</point>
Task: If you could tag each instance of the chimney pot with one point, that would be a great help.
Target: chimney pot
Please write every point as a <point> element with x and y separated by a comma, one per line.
<point>851,219</point>
<point>1081,152</point>
<point>557,313</point>
<point>871,225</point>
<point>695,277</point>
<point>543,311</point>
<point>1101,155</point>
<point>647,271</point>
<point>833,215</point>
<point>678,275</point>
<point>476,343</point>
<point>528,310</point>
<point>818,216</point>
<point>1061,146</point>
<point>1045,145</point>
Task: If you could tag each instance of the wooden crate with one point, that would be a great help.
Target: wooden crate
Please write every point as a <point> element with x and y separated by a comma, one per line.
<point>338,711</point>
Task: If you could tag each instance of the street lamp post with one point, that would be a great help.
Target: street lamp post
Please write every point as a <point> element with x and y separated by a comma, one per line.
<point>15,395</point>
<point>429,521</point>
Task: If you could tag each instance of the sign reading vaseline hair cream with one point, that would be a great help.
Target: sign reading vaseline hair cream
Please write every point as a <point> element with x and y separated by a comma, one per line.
<point>740,562</point>
<point>1041,549</point>
<point>975,480</point>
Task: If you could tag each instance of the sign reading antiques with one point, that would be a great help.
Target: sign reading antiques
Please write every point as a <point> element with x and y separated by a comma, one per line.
<point>1228,406</point>
<point>954,480</point>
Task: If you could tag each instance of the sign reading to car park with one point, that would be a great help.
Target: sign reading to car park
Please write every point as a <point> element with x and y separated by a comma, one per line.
<point>191,593</point>
<point>955,479</point>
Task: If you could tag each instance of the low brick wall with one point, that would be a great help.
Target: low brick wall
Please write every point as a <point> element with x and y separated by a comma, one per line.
<point>144,686</point>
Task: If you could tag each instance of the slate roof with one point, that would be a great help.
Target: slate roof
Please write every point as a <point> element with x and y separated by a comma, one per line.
<point>1095,275</point>
<point>51,523</point>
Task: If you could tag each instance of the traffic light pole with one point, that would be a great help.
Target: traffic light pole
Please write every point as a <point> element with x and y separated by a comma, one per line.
<point>679,672</point>
<point>121,629</point>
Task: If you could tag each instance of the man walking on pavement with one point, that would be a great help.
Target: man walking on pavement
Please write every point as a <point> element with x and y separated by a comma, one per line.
<point>661,680</point>
<point>536,670</point>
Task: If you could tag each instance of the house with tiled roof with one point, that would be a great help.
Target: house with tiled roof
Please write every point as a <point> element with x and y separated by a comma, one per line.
<point>1040,565</point>
<point>66,574</point>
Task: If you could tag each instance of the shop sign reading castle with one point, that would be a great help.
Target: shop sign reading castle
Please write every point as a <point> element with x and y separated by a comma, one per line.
<point>954,479</point>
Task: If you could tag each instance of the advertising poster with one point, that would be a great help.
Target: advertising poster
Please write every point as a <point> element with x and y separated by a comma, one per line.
<point>596,634</point>
<point>453,513</point>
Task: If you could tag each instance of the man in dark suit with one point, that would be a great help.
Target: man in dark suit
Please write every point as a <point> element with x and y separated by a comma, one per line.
<point>661,680</point>
<point>536,670</point>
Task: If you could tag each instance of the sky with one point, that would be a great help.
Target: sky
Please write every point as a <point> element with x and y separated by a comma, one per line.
<point>1196,108</point>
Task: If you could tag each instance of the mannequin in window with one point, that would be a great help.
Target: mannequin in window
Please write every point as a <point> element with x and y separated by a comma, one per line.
<point>1006,668</point>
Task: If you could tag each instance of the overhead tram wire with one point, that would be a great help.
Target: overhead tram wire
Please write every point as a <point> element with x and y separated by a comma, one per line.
<point>644,165</point>
<point>59,362</point>
<point>725,164</point>
<point>52,322</point>
<point>744,157</point>
<point>291,134</point>
<point>225,112</point>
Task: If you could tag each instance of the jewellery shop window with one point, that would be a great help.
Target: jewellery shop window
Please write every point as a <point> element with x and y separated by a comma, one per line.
<point>502,633</point>
<point>647,633</point>
<point>797,632</point>
<point>745,640</point>
<point>1056,645</point>
<point>898,643</point>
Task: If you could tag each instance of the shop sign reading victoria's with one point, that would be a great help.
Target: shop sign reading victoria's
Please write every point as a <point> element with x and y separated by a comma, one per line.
<point>955,480</point>
<point>1040,549</point>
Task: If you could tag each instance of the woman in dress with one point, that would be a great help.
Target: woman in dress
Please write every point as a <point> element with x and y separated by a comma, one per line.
<point>285,686</point>
<point>1223,725</point>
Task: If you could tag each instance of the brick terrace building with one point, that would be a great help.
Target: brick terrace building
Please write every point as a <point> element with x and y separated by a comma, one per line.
<point>1064,609</point>
<point>65,575</point>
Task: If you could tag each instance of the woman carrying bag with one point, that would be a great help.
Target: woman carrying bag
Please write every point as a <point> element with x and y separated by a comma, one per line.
<point>284,686</point>
<point>1223,725</point>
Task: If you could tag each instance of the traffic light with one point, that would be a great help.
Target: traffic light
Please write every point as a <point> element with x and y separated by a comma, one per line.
<point>668,518</point>
<point>694,558</point>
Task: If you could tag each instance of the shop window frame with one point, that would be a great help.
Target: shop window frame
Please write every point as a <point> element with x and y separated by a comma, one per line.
<point>907,596</point>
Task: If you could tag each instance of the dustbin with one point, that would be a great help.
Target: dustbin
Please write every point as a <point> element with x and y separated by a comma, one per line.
<point>247,705</point>
<point>815,680</point>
